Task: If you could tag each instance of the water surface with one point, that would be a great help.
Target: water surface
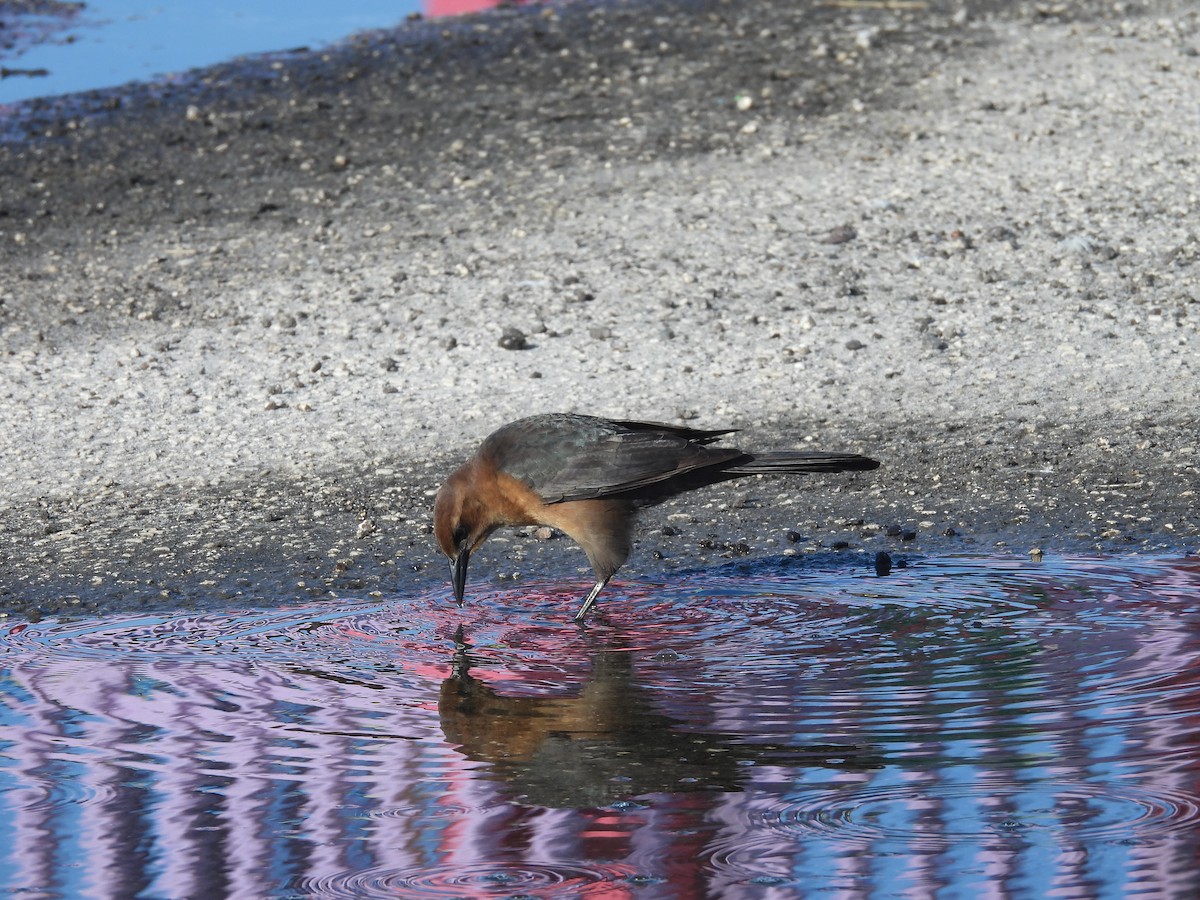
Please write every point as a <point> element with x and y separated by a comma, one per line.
<point>53,48</point>
<point>963,727</point>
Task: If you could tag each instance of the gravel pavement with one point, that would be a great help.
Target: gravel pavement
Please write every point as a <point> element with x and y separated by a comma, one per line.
<point>249,318</point>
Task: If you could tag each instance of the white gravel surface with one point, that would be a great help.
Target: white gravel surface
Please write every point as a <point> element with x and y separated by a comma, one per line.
<point>244,331</point>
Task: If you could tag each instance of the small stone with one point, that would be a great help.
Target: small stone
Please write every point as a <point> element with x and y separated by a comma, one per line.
<point>365,527</point>
<point>451,342</point>
<point>794,537</point>
<point>883,564</point>
<point>1036,554</point>
<point>839,235</point>
<point>513,339</point>
<point>855,344</point>
<point>544,533</point>
<point>600,332</point>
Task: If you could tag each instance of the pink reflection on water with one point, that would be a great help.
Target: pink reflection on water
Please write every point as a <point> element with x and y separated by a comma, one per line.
<point>988,726</point>
<point>459,7</point>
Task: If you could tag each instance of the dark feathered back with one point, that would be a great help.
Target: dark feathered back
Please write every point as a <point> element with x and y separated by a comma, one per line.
<point>571,457</point>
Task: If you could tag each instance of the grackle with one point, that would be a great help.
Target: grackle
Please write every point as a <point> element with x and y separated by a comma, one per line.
<point>587,477</point>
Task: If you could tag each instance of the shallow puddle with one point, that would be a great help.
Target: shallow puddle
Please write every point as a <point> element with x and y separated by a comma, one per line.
<point>962,727</point>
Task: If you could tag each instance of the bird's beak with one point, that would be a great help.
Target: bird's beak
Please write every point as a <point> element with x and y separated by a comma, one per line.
<point>458,571</point>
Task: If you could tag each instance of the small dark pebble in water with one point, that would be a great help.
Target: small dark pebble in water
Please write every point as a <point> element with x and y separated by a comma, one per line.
<point>883,564</point>
<point>840,545</point>
<point>908,536</point>
<point>668,531</point>
<point>949,532</point>
<point>623,805</point>
<point>658,555</point>
<point>893,531</point>
<point>513,339</point>
<point>500,877</point>
<point>794,536</point>
<point>645,879</point>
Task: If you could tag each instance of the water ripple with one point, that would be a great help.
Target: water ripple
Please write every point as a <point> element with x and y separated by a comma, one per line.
<point>476,879</point>
<point>938,814</point>
<point>61,793</point>
<point>764,718</point>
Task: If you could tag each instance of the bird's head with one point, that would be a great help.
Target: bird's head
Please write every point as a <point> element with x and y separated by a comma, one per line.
<point>461,522</point>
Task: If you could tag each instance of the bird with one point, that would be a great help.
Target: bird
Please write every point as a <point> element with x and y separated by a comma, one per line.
<point>587,477</point>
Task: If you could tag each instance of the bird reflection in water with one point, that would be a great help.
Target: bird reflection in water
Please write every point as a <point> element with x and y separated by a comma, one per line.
<point>606,742</point>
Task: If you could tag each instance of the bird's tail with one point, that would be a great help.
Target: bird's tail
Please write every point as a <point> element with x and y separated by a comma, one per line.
<point>782,462</point>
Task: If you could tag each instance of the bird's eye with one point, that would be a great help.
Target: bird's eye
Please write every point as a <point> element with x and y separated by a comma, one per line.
<point>460,535</point>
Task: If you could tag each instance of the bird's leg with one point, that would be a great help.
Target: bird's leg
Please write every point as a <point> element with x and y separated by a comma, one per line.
<point>460,665</point>
<point>590,600</point>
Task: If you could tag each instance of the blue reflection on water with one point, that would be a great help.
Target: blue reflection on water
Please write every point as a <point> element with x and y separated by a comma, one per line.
<point>962,727</point>
<point>112,42</point>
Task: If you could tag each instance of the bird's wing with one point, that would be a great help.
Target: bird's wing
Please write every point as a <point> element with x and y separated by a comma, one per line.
<point>699,435</point>
<point>580,458</point>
